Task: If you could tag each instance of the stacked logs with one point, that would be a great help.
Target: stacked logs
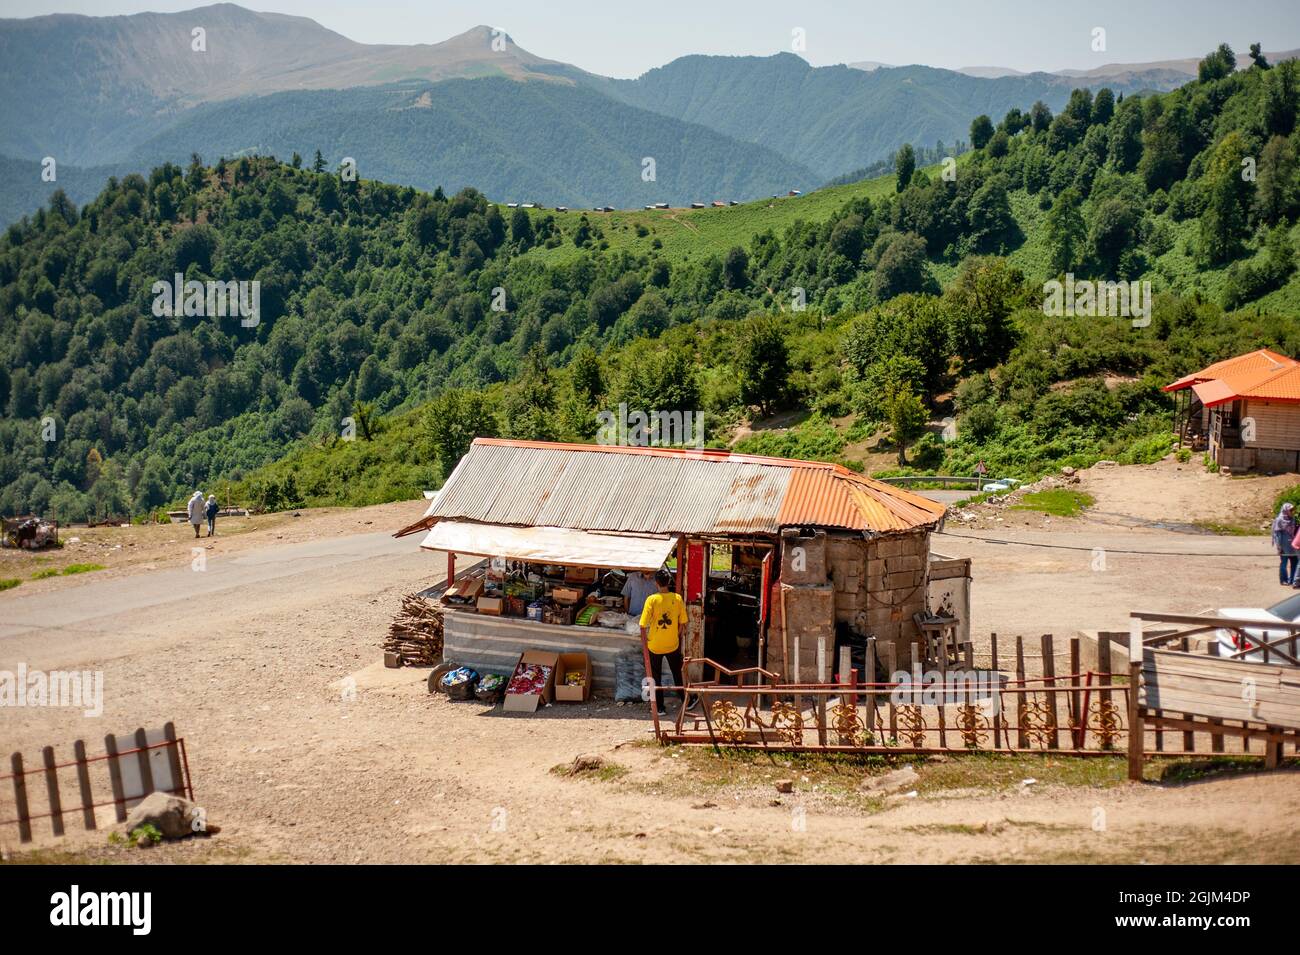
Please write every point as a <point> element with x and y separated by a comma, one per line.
<point>416,632</point>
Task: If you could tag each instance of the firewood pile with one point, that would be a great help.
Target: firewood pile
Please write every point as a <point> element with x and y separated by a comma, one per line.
<point>416,632</point>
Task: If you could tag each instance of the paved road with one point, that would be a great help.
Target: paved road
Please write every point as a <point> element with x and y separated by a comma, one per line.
<point>947,497</point>
<point>98,600</point>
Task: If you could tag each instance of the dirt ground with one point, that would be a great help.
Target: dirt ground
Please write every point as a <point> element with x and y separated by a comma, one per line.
<point>1167,495</point>
<point>304,748</point>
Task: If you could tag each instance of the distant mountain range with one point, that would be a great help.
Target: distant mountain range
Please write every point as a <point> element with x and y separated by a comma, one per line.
<point>109,95</point>
<point>1160,74</point>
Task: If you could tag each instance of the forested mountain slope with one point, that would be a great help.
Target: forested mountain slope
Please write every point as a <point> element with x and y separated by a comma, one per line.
<point>918,304</point>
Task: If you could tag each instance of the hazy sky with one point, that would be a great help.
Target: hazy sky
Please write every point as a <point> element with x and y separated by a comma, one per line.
<point>622,38</point>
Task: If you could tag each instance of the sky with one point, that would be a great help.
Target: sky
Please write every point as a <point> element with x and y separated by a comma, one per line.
<point>625,38</point>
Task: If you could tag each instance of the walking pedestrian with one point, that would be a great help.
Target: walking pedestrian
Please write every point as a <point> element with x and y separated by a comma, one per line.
<point>1284,537</point>
<point>194,509</point>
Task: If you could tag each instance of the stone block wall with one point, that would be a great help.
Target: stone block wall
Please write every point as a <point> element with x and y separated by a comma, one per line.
<point>875,587</point>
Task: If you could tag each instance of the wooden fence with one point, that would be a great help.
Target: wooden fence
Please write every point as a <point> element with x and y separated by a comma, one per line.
<point>1245,695</point>
<point>131,767</point>
<point>1076,712</point>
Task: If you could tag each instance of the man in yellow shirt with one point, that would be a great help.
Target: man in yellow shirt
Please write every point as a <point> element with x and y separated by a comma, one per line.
<point>662,619</point>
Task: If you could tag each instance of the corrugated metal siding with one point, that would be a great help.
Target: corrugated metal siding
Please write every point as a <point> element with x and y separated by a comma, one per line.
<point>493,644</point>
<point>612,489</point>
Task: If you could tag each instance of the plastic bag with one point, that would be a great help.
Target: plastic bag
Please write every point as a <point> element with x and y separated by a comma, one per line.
<point>629,672</point>
<point>490,689</point>
<point>460,683</point>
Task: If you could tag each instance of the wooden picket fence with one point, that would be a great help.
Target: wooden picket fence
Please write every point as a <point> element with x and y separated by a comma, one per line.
<point>131,767</point>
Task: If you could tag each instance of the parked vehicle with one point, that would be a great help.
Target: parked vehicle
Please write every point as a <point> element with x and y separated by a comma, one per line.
<point>1231,641</point>
<point>1000,485</point>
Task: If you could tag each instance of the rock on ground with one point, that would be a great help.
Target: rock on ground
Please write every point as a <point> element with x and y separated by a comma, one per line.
<point>173,816</point>
<point>892,781</point>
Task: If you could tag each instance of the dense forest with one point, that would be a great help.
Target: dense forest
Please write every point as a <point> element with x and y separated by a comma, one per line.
<point>395,324</point>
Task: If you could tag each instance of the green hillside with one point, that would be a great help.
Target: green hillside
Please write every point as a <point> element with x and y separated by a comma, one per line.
<point>835,118</point>
<point>677,234</point>
<point>395,325</point>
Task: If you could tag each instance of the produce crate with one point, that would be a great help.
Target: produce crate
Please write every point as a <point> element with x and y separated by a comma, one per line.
<point>558,615</point>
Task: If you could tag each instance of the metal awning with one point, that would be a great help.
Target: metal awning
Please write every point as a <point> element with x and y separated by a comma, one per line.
<point>1214,392</point>
<point>551,545</point>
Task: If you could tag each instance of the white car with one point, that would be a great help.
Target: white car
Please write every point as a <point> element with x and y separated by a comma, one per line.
<point>1000,485</point>
<point>1233,641</point>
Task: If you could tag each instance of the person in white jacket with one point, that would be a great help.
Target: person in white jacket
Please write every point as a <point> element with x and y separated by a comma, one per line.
<point>195,510</point>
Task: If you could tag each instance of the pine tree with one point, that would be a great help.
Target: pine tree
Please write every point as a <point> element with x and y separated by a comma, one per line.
<point>904,167</point>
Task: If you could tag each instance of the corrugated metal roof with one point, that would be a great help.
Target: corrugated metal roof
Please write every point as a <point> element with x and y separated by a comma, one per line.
<point>663,490</point>
<point>1262,360</point>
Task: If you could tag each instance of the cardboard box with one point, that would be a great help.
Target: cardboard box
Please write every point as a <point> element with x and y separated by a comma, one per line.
<point>567,595</point>
<point>464,590</point>
<point>581,575</point>
<point>573,694</point>
<point>490,606</point>
<point>529,702</point>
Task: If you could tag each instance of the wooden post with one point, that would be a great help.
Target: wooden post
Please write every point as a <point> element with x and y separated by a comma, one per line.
<point>115,776</point>
<point>943,682</point>
<point>52,790</point>
<point>1272,750</point>
<point>891,663</point>
<point>1049,682</point>
<point>1076,697</point>
<point>1104,667</point>
<point>1020,696</point>
<point>1135,733</point>
<point>83,782</point>
<point>1189,737</point>
<point>798,664</point>
<point>1216,739</point>
<point>146,770</point>
<point>869,676</point>
<point>918,666</point>
<point>174,756</point>
<point>843,674</point>
<point>997,700</point>
<point>20,798</point>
